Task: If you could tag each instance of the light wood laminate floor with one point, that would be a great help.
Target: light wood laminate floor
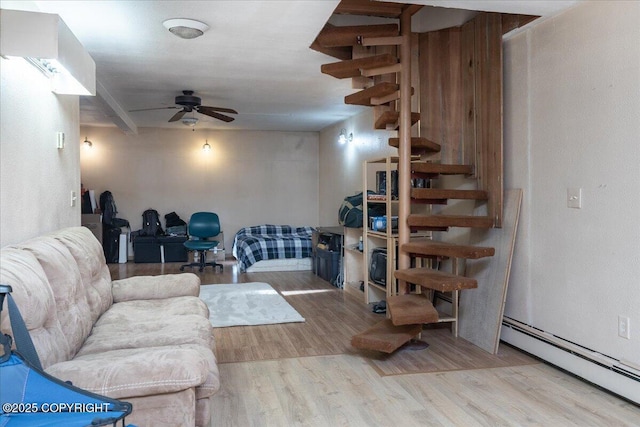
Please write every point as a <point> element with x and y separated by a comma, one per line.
<point>307,374</point>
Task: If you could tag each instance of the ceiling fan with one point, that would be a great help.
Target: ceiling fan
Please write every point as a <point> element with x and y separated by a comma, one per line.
<point>188,102</point>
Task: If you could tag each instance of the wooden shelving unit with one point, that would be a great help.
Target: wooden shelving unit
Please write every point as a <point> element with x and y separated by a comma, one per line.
<point>387,238</point>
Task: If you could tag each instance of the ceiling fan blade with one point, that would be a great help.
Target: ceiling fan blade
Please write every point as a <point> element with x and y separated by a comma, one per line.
<point>217,116</point>
<point>202,108</point>
<point>177,116</point>
<point>159,108</point>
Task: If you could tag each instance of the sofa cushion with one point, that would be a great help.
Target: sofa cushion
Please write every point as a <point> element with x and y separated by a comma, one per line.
<point>67,287</point>
<point>139,371</point>
<point>94,272</point>
<point>32,293</point>
<point>156,287</point>
<point>139,332</point>
<point>153,309</point>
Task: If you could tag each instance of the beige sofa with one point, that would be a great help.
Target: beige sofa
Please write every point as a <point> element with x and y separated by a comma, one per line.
<point>145,340</point>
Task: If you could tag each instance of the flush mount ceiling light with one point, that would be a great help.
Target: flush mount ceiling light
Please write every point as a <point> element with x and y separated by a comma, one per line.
<point>185,28</point>
<point>189,121</point>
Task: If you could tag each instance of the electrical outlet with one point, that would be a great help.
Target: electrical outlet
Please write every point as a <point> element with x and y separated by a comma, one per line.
<point>624,327</point>
<point>73,198</point>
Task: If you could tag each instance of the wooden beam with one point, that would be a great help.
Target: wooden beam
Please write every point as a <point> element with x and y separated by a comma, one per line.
<point>404,149</point>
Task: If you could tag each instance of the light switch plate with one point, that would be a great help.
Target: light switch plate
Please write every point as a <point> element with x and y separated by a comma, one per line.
<point>574,198</point>
<point>60,140</point>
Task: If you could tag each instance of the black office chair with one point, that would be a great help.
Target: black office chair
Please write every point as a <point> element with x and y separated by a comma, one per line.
<point>203,226</point>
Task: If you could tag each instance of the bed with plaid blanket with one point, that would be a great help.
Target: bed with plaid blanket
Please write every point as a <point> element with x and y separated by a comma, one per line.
<point>263,242</point>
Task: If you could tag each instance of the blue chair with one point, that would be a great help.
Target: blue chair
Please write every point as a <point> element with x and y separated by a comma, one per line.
<point>203,226</point>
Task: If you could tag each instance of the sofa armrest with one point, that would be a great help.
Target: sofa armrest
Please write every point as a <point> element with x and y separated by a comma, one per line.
<point>155,287</point>
<point>139,372</point>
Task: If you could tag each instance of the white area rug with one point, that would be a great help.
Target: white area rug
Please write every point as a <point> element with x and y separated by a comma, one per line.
<point>244,304</point>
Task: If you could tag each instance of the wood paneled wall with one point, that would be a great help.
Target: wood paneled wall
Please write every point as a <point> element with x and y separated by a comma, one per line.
<point>461,99</point>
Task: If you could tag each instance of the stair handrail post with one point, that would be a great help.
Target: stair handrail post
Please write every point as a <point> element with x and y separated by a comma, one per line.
<point>404,145</point>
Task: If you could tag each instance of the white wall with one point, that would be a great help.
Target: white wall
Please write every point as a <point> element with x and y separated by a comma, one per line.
<point>36,179</point>
<point>248,178</point>
<point>572,119</point>
<point>341,164</point>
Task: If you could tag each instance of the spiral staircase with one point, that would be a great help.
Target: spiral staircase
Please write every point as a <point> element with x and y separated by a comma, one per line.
<point>386,62</point>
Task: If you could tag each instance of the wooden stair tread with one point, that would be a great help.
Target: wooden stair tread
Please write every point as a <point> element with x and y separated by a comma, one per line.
<point>340,36</point>
<point>441,169</point>
<point>411,309</point>
<point>391,118</point>
<point>446,194</point>
<point>369,8</point>
<point>419,221</point>
<point>364,96</point>
<point>341,53</point>
<point>352,67</point>
<point>436,280</point>
<point>384,336</point>
<point>429,247</point>
<point>419,145</point>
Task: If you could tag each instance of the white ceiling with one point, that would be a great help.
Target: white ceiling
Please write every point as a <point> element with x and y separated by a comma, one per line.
<point>255,58</point>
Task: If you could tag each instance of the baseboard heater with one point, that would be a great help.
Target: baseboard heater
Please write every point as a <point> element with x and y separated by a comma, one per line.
<point>617,376</point>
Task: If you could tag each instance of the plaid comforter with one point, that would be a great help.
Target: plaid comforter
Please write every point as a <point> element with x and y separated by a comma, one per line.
<point>253,244</point>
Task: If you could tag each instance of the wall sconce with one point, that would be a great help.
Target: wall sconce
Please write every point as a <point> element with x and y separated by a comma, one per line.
<point>206,147</point>
<point>343,138</point>
<point>86,143</point>
<point>45,41</point>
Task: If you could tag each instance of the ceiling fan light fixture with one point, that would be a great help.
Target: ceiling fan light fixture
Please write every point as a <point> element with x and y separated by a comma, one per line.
<point>189,121</point>
<point>185,28</point>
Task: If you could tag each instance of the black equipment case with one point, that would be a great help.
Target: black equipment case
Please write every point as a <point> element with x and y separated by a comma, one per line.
<point>378,266</point>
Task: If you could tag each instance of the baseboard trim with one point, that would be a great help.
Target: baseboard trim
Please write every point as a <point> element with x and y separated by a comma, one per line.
<point>603,371</point>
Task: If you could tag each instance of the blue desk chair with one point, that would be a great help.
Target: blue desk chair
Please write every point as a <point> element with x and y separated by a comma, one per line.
<point>203,226</point>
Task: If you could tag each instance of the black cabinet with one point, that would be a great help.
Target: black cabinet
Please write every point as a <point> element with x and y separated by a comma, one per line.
<point>328,265</point>
<point>327,254</point>
<point>148,249</point>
